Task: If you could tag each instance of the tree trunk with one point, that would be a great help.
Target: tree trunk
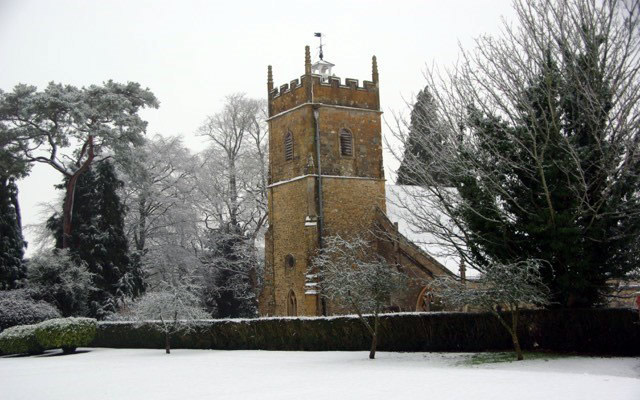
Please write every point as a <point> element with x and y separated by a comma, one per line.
<point>167,347</point>
<point>233,194</point>
<point>67,208</point>
<point>514,334</point>
<point>141,236</point>
<point>374,338</point>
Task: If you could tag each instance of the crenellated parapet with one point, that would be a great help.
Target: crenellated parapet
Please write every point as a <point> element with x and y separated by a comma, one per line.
<point>312,88</point>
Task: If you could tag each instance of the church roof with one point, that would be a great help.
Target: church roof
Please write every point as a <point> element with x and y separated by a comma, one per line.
<point>401,201</point>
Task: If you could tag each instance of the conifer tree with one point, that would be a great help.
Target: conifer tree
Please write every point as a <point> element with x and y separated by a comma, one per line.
<point>545,164</point>
<point>423,142</point>
<point>229,273</point>
<point>12,244</point>
<point>99,240</point>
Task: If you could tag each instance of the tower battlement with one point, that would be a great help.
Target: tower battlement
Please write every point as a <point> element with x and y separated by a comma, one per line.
<point>325,172</point>
<point>312,88</point>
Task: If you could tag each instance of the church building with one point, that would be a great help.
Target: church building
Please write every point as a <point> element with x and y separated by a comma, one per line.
<point>326,177</point>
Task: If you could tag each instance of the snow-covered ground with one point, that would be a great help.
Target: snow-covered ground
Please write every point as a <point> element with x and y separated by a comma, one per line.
<point>209,374</point>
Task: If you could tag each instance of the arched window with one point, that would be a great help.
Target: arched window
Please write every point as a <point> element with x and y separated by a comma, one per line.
<point>346,143</point>
<point>292,304</point>
<point>288,146</point>
<point>289,261</point>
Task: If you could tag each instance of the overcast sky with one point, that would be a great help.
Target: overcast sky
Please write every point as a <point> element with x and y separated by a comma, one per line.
<point>193,53</point>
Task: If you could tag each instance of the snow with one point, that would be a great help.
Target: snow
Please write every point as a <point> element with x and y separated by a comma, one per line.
<point>211,374</point>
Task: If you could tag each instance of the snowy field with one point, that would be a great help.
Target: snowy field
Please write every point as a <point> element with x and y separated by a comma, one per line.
<point>210,374</point>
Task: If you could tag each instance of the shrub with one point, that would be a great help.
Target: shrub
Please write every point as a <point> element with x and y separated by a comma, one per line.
<point>17,308</point>
<point>66,333</point>
<point>20,339</point>
<point>59,279</point>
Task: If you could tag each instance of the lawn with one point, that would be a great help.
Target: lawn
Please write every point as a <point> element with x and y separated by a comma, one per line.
<point>209,374</point>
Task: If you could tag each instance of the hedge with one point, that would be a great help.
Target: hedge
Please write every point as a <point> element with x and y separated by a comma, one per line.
<point>20,339</point>
<point>66,333</point>
<point>589,331</point>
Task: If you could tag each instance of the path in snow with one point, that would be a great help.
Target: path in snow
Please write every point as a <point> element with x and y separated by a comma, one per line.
<point>211,374</point>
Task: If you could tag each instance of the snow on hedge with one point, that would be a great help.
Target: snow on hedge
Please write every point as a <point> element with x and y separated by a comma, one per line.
<point>20,339</point>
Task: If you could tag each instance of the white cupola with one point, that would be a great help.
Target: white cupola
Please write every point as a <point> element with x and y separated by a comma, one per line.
<point>322,68</point>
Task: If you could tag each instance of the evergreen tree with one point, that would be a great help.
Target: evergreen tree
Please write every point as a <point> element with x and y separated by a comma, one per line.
<point>229,274</point>
<point>576,219</point>
<point>421,149</point>
<point>545,165</point>
<point>98,239</point>
<point>12,244</point>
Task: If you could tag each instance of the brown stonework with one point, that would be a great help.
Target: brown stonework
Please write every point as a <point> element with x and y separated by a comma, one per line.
<point>352,197</point>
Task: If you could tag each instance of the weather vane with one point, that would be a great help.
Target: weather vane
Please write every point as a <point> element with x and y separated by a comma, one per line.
<point>319,35</point>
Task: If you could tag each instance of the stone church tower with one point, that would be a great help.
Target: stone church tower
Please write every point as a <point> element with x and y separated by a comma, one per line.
<point>326,178</point>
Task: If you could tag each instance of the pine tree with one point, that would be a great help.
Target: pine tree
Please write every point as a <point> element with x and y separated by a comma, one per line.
<point>12,244</point>
<point>98,239</point>
<point>422,145</point>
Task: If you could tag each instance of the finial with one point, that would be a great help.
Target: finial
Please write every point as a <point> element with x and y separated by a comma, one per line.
<point>374,69</point>
<point>319,35</point>
<point>269,79</point>
<point>307,60</point>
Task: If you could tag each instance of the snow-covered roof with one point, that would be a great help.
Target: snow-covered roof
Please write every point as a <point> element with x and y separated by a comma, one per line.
<point>401,200</point>
<point>323,62</point>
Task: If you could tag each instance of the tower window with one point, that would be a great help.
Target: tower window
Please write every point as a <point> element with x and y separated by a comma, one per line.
<point>346,143</point>
<point>289,261</point>
<point>288,147</point>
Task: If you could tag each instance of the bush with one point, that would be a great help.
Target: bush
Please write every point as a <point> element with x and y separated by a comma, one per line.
<point>66,333</point>
<point>20,339</point>
<point>17,308</point>
<point>58,279</point>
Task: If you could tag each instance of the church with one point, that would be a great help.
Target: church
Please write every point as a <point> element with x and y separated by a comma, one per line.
<point>326,177</point>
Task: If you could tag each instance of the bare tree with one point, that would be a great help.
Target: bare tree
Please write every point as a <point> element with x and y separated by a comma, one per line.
<point>163,221</point>
<point>176,306</point>
<point>511,286</point>
<point>538,145</point>
<point>231,184</point>
<point>351,273</point>
<point>159,182</point>
<point>235,165</point>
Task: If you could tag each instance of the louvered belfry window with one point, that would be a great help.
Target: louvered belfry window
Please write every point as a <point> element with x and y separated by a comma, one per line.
<point>346,143</point>
<point>288,147</point>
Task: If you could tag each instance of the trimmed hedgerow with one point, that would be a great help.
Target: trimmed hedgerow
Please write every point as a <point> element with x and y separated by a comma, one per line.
<point>19,309</point>
<point>66,333</point>
<point>595,331</point>
<point>20,339</point>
